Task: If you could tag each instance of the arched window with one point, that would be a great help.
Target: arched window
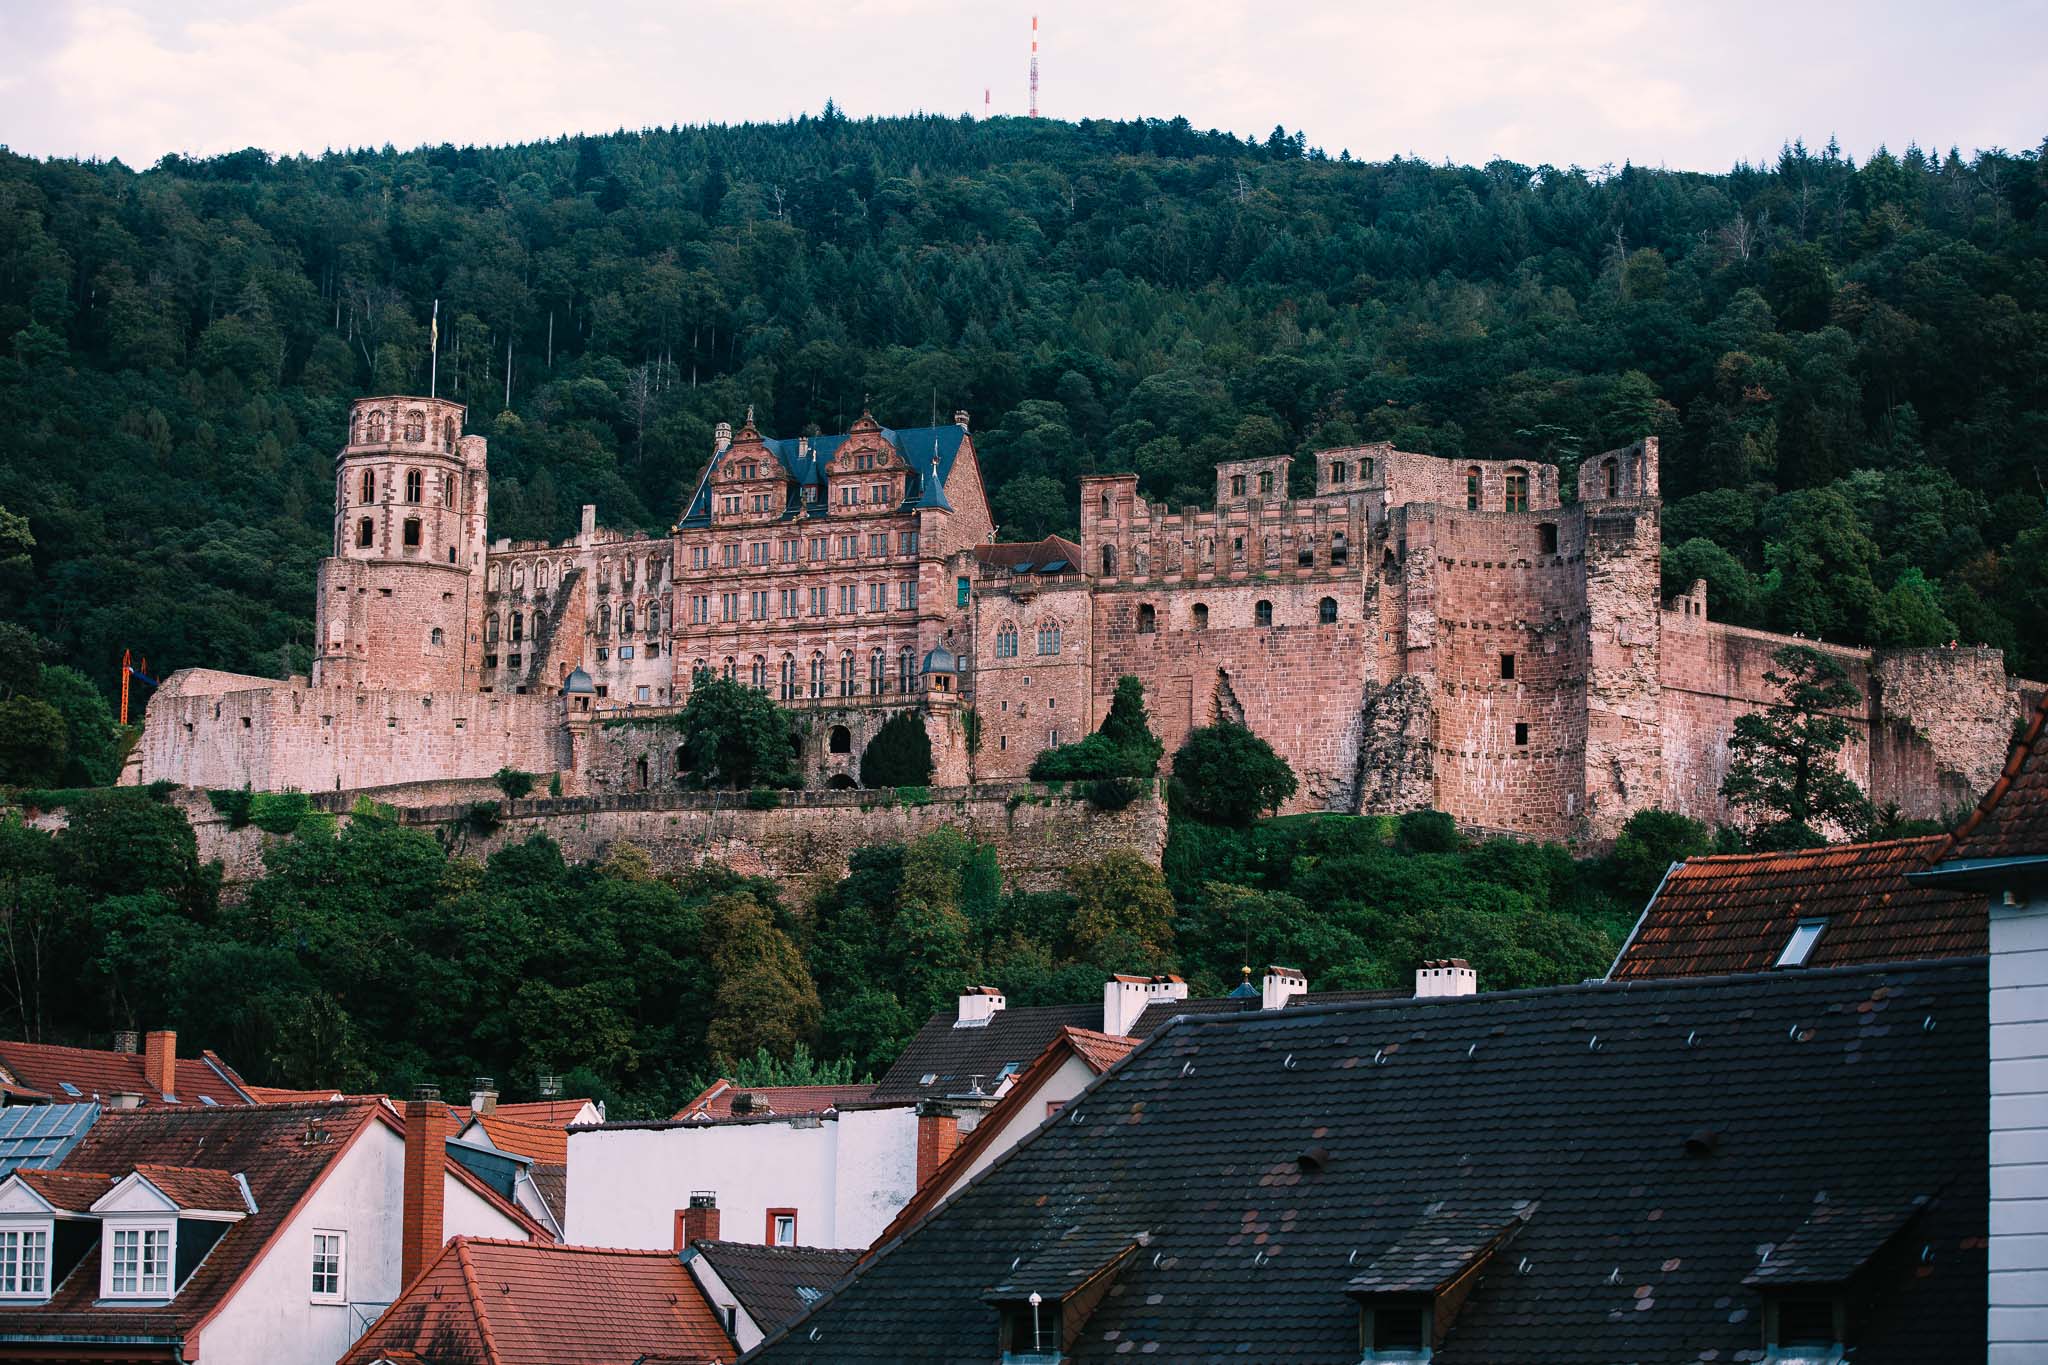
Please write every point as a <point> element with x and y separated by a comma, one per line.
<point>1049,637</point>
<point>355,430</point>
<point>878,673</point>
<point>518,577</point>
<point>436,637</point>
<point>1265,481</point>
<point>789,677</point>
<point>1262,613</point>
<point>846,673</point>
<point>698,671</point>
<point>759,676</point>
<point>491,629</point>
<point>604,619</point>
<point>903,662</point>
<point>732,669</point>
<point>540,577</point>
<point>1201,616</point>
<point>651,614</point>
<point>1326,611</point>
<point>447,490</point>
<point>626,619</point>
<point>640,771</point>
<point>369,485</point>
<point>1148,619</point>
<point>841,740</point>
<point>366,533</point>
<point>1006,641</point>
<point>1515,491</point>
<point>817,673</point>
<point>1610,473</point>
<point>491,579</point>
<point>376,426</point>
<point>682,760</point>
<point>1340,548</point>
<point>413,484</point>
<point>518,626</point>
<point>447,433</point>
<point>1105,504</point>
<point>415,425</point>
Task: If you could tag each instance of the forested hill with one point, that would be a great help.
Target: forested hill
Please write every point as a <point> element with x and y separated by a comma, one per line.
<point>1848,364</point>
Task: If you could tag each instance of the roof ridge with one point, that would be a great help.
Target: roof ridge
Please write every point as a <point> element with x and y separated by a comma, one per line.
<point>476,1301</point>
<point>1902,842</point>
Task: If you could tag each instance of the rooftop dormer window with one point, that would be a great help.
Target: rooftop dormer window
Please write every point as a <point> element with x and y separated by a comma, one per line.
<point>137,1261</point>
<point>1800,946</point>
<point>25,1261</point>
<point>1046,1300</point>
<point>1410,1293</point>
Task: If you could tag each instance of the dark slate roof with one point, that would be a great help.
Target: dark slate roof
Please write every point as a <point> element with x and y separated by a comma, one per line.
<point>2012,819</point>
<point>1736,912</point>
<point>804,459</point>
<point>38,1135</point>
<point>1052,555</point>
<point>953,1057</point>
<point>776,1285</point>
<point>1160,1013</point>
<point>1062,1266</point>
<point>1437,1248</point>
<point>1835,1241</point>
<point>1569,1108</point>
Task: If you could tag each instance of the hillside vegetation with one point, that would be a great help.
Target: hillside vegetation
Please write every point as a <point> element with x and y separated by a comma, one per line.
<point>1847,363</point>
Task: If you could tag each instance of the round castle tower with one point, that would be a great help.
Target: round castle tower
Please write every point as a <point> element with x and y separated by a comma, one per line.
<point>400,603</point>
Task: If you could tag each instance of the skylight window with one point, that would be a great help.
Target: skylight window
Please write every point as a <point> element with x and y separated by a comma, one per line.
<point>1801,945</point>
<point>68,1088</point>
<point>1009,1069</point>
<point>209,1101</point>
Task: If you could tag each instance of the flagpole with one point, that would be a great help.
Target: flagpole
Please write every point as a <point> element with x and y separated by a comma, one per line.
<point>434,366</point>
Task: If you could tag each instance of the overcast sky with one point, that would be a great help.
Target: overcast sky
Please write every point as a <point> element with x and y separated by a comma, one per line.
<point>1660,82</point>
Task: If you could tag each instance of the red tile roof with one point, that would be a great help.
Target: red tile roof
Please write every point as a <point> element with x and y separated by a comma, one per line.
<point>72,1191</point>
<point>101,1075</point>
<point>196,1187</point>
<point>2012,819</point>
<point>559,1113</point>
<point>541,1142</point>
<point>267,1144</point>
<point>270,1094</point>
<point>518,1303</point>
<point>716,1100</point>
<point>1736,912</point>
<point>1099,1051</point>
<point>1037,553</point>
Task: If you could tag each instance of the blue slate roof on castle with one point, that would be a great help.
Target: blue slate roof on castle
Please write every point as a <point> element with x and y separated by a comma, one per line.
<point>804,459</point>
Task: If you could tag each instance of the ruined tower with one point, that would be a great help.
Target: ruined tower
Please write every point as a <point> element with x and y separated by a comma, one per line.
<point>400,603</point>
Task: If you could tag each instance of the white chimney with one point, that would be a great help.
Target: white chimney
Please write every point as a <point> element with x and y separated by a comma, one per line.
<point>1445,976</point>
<point>960,418</point>
<point>1280,985</point>
<point>979,1005</point>
<point>1124,998</point>
<point>483,1095</point>
<point>721,437</point>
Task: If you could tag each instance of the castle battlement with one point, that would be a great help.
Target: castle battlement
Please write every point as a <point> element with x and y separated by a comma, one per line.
<point>1416,630</point>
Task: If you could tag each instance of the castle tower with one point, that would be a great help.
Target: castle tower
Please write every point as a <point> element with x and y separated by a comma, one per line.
<point>400,602</point>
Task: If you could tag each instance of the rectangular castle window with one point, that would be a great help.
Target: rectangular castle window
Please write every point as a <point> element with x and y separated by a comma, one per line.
<point>1521,732</point>
<point>1507,665</point>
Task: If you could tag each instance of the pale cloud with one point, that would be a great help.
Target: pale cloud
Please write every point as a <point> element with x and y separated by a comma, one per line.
<point>1653,81</point>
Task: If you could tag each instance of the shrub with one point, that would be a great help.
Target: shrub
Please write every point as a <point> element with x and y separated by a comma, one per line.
<point>279,812</point>
<point>763,798</point>
<point>1227,775</point>
<point>234,805</point>
<point>483,817</point>
<point>513,782</point>
<point>911,795</point>
<point>1426,831</point>
<point>1124,747</point>
<point>900,754</point>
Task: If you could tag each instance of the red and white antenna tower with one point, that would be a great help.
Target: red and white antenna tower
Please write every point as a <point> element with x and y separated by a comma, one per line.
<point>1034,66</point>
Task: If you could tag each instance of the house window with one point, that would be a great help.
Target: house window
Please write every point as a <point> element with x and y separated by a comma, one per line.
<point>1337,471</point>
<point>1049,638</point>
<point>960,591</point>
<point>1472,489</point>
<point>640,693</point>
<point>625,651</point>
<point>1507,665</point>
<point>1800,946</point>
<point>1030,1332</point>
<point>412,485</point>
<point>366,533</point>
<point>878,673</point>
<point>1201,616</point>
<point>141,1264</point>
<point>1395,1333</point>
<point>369,485</point>
<point>1262,613</point>
<point>846,674</point>
<point>1326,611</point>
<point>817,675</point>
<point>25,1263</point>
<point>1006,641</point>
<point>436,637</point>
<point>1237,485</point>
<point>328,1279</point>
<point>757,674</point>
<point>1521,732</point>
<point>1148,619</point>
<point>782,1227</point>
<point>789,677</point>
<point>1515,497</point>
<point>903,672</point>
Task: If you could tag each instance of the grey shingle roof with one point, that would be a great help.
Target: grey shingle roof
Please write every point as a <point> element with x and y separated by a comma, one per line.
<point>776,1285</point>
<point>953,1057</point>
<point>1858,1086</point>
<point>1163,1012</point>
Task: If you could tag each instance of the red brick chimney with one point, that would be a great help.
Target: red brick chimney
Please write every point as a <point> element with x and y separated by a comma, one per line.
<point>160,1062</point>
<point>427,1130</point>
<point>699,1222</point>
<point>938,1133</point>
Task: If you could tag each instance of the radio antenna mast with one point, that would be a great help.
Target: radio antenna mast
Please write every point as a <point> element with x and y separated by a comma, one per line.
<point>1034,66</point>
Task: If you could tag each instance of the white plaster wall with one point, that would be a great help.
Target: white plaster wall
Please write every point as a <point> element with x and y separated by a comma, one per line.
<point>464,1213</point>
<point>845,1177</point>
<point>2018,1323</point>
<point>1071,1078</point>
<point>272,1317</point>
<point>877,1172</point>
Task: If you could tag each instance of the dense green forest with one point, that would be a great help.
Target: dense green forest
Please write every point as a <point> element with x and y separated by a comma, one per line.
<point>1848,364</point>
<point>375,955</point>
